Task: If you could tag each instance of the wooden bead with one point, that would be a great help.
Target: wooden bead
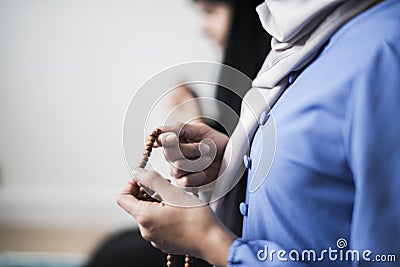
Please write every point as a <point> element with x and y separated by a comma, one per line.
<point>188,259</point>
<point>142,164</point>
<point>151,139</point>
<point>140,196</point>
<point>187,264</point>
<point>169,257</point>
<point>150,143</point>
<point>155,133</point>
<point>170,264</point>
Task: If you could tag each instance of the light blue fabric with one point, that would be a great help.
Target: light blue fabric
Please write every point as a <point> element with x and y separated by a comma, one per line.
<point>336,171</point>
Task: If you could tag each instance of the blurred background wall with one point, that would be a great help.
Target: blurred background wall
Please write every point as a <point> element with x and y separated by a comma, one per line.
<point>68,69</point>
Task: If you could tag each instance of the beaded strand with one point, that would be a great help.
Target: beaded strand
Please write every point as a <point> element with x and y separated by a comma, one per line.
<point>142,195</point>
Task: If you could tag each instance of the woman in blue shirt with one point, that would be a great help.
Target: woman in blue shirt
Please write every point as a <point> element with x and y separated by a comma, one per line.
<point>331,194</point>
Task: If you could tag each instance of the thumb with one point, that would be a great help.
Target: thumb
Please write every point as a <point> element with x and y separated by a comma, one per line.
<point>159,188</point>
<point>126,199</point>
<point>186,131</point>
<point>153,183</point>
<point>167,139</point>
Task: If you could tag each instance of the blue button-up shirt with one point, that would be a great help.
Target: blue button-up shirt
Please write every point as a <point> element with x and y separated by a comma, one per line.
<point>333,187</point>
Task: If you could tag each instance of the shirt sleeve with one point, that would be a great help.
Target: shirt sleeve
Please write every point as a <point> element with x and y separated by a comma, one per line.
<point>372,147</point>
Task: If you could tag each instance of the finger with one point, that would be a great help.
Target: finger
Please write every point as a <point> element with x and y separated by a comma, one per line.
<point>175,128</point>
<point>191,165</point>
<point>176,172</point>
<point>186,131</point>
<point>182,151</point>
<point>186,151</point>
<point>153,182</point>
<point>194,150</point>
<point>164,248</point>
<point>172,132</point>
<point>189,132</point>
<point>126,199</point>
<point>159,246</point>
<point>167,139</point>
<point>168,193</point>
<point>193,179</point>
<point>131,188</point>
<point>154,244</point>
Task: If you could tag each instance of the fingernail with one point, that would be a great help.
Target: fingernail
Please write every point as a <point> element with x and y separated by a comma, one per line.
<point>204,148</point>
<point>171,138</point>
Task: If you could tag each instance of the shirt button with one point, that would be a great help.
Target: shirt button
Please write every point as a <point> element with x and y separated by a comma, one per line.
<point>243,208</point>
<point>292,77</point>
<point>247,161</point>
<point>264,117</point>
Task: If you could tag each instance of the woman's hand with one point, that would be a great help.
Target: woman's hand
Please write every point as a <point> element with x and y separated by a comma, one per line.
<point>195,152</point>
<point>192,229</point>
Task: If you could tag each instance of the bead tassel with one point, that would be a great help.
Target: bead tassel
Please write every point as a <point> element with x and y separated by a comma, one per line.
<point>142,195</point>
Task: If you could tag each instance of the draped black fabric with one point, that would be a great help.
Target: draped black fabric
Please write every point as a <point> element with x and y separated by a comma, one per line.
<point>129,249</point>
<point>247,46</point>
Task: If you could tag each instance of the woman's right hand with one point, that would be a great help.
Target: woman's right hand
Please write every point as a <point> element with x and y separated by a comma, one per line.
<point>194,151</point>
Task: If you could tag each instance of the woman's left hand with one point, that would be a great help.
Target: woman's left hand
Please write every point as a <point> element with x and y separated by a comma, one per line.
<point>180,223</point>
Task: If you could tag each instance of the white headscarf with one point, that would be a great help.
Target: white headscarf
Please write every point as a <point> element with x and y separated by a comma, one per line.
<point>299,29</point>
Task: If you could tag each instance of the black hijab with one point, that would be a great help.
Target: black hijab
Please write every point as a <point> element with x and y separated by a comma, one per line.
<point>246,48</point>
